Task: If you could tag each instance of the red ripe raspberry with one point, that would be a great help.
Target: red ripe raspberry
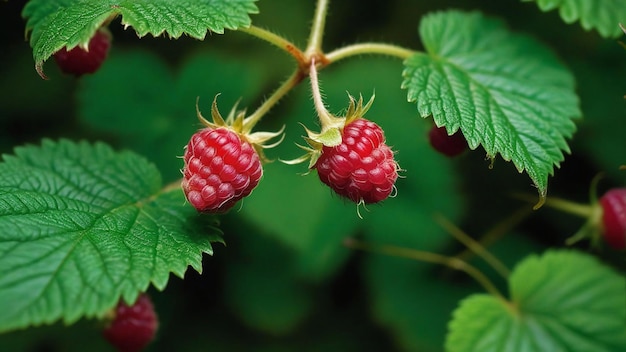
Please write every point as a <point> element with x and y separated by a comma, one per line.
<point>79,61</point>
<point>448,145</point>
<point>613,205</point>
<point>362,167</point>
<point>220,169</point>
<point>133,327</point>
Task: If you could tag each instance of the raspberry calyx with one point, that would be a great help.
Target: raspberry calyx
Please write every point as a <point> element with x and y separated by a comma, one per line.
<point>86,58</point>
<point>222,162</point>
<point>132,327</point>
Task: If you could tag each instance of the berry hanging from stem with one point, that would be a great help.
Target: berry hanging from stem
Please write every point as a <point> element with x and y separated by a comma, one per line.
<point>350,153</point>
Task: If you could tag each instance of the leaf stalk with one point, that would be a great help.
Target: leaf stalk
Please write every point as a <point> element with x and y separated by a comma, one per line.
<point>369,48</point>
<point>429,257</point>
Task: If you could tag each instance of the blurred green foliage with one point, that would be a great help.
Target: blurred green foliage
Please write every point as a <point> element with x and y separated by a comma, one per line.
<point>284,281</point>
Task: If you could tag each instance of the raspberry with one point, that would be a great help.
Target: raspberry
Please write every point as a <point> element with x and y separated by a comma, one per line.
<point>133,327</point>
<point>79,61</point>
<point>362,168</point>
<point>448,145</point>
<point>220,169</point>
<point>613,205</point>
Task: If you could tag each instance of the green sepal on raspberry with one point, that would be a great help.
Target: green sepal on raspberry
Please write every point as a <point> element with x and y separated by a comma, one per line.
<point>223,162</point>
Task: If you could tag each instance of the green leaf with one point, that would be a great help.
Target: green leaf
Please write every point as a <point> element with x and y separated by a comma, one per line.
<point>560,301</point>
<point>81,225</point>
<point>55,24</point>
<point>603,16</point>
<point>504,91</point>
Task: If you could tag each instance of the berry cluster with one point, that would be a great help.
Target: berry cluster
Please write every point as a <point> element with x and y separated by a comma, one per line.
<point>448,145</point>
<point>220,169</point>
<point>223,161</point>
<point>613,205</point>
<point>79,61</point>
<point>362,168</point>
<point>133,326</point>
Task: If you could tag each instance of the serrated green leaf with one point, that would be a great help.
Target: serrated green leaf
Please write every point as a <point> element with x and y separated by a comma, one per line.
<point>55,24</point>
<point>560,301</point>
<point>603,16</point>
<point>82,225</point>
<point>504,91</point>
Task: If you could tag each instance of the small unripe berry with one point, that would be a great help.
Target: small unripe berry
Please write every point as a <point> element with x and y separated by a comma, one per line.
<point>362,168</point>
<point>448,145</point>
<point>79,61</point>
<point>613,205</point>
<point>133,327</point>
<point>220,169</point>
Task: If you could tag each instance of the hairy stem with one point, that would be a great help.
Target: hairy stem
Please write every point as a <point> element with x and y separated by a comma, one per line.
<point>369,48</point>
<point>314,45</point>
<point>283,89</point>
<point>473,245</point>
<point>276,40</point>
<point>499,230</point>
<point>429,257</point>
<point>326,119</point>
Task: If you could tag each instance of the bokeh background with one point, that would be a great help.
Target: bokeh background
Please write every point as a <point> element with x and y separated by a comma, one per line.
<point>285,281</point>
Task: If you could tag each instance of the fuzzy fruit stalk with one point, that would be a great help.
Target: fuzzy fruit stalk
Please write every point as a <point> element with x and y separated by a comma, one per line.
<point>134,326</point>
<point>350,153</point>
<point>79,61</point>
<point>223,161</point>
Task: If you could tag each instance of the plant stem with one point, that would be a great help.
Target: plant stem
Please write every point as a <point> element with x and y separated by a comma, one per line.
<point>499,230</point>
<point>369,48</point>
<point>314,45</point>
<point>283,89</point>
<point>429,257</point>
<point>172,186</point>
<point>473,245</point>
<point>582,210</point>
<point>276,40</point>
<point>326,119</point>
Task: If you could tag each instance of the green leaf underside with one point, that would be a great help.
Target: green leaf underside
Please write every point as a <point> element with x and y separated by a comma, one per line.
<point>561,301</point>
<point>55,24</point>
<point>504,91</point>
<point>81,225</point>
<point>603,16</point>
